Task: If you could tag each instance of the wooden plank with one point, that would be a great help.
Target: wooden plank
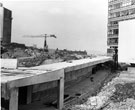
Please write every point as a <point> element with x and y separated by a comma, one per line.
<point>8,63</point>
<point>60,93</point>
<point>29,93</point>
<point>13,101</point>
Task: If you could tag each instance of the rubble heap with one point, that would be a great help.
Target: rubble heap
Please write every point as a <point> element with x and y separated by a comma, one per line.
<point>30,56</point>
<point>32,61</point>
<point>123,92</point>
<point>118,94</point>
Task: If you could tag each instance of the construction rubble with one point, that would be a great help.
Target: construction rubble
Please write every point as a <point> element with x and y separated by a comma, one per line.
<point>118,94</point>
<point>30,56</point>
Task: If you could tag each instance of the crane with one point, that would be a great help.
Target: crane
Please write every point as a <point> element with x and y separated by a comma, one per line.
<point>45,40</point>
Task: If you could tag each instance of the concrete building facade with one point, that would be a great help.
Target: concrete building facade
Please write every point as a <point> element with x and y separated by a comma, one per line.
<point>5,25</point>
<point>118,10</point>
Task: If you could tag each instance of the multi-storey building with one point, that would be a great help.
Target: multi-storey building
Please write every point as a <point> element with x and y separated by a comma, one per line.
<point>5,25</point>
<point>118,10</point>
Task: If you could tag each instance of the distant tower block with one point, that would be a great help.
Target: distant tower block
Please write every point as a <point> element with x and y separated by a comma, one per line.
<point>5,25</point>
<point>1,21</point>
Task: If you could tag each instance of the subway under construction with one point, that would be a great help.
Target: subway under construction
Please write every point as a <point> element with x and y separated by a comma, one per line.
<point>35,78</point>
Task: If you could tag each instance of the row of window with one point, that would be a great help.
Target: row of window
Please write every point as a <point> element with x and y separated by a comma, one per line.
<point>113,23</point>
<point>122,13</point>
<point>113,0</point>
<point>109,50</point>
<point>120,0</point>
<point>122,4</point>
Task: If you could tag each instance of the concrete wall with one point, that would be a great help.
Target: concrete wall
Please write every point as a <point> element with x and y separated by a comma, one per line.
<point>48,90</point>
<point>74,72</point>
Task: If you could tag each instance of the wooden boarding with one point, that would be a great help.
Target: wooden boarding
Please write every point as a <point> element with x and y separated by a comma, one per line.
<point>11,82</point>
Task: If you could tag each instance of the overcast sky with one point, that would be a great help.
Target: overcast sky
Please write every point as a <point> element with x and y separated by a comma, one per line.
<point>78,24</point>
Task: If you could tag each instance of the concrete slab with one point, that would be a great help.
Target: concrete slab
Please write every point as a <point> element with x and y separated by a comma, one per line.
<point>74,65</point>
<point>82,87</point>
<point>12,79</point>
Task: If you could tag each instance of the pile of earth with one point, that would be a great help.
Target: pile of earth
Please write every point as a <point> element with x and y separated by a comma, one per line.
<point>123,92</point>
<point>31,56</point>
<point>117,94</point>
<point>15,50</point>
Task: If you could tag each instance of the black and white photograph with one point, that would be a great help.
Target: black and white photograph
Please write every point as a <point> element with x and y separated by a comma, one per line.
<point>67,54</point>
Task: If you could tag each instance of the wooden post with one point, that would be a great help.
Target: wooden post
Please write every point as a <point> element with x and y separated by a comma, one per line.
<point>29,94</point>
<point>13,101</point>
<point>60,93</point>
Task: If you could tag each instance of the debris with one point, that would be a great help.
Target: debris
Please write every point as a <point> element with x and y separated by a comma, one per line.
<point>118,94</point>
<point>31,56</point>
<point>123,92</point>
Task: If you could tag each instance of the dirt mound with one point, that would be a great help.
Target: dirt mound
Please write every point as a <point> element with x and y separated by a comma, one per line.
<point>123,92</point>
<point>30,56</point>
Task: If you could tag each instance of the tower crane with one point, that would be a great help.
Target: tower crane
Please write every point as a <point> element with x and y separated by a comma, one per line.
<point>45,36</point>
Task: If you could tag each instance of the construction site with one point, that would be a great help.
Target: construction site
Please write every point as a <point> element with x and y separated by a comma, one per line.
<point>34,78</point>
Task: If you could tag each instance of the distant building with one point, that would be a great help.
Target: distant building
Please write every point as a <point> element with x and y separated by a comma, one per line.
<point>118,10</point>
<point>5,25</point>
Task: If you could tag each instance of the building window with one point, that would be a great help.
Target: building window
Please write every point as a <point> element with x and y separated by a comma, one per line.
<point>126,3</point>
<point>132,11</point>
<point>125,13</point>
<point>117,14</point>
<point>110,7</point>
<point>113,23</point>
<point>116,6</point>
<point>110,31</point>
<point>111,15</point>
<point>111,0</point>
<point>113,41</point>
<point>115,31</point>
